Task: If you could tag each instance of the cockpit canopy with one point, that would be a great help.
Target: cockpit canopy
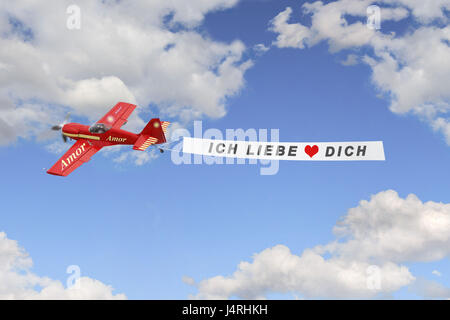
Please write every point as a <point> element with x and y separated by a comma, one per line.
<point>99,128</point>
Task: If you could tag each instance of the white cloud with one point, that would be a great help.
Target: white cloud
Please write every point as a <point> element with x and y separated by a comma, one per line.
<point>188,280</point>
<point>389,228</point>
<point>260,48</point>
<point>366,260</point>
<point>442,125</point>
<point>412,69</point>
<point>25,120</point>
<point>289,34</point>
<point>425,11</point>
<point>436,273</point>
<point>395,14</point>
<point>430,289</point>
<point>277,270</point>
<point>351,60</point>
<point>57,147</point>
<point>138,157</point>
<point>90,94</point>
<point>18,282</point>
<point>140,52</point>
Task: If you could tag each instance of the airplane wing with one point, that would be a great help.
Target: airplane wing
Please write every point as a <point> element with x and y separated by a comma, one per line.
<point>118,115</point>
<point>78,154</point>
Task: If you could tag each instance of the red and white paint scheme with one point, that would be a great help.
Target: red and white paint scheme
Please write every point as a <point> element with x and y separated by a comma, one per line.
<point>106,132</point>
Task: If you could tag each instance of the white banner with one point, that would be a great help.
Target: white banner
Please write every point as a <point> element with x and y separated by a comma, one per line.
<point>306,151</point>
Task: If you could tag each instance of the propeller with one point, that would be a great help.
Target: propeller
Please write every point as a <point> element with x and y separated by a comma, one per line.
<point>59,127</point>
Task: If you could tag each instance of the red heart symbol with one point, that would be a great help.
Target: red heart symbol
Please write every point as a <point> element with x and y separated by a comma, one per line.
<point>311,151</point>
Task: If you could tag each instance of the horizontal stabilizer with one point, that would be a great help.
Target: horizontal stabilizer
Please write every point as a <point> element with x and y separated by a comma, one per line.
<point>144,141</point>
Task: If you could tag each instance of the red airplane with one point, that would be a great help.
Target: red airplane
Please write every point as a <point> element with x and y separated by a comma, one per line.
<point>105,132</point>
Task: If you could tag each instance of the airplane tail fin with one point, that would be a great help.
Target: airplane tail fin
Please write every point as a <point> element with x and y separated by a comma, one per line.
<point>153,133</point>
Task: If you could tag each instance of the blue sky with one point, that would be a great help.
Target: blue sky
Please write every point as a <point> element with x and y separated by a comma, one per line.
<point>141,229</point>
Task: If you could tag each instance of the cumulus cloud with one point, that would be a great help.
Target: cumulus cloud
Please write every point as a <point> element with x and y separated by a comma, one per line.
<point>430,289</point>
<point>426,11</point>
<point>278,270</point>
<point>290,35</point>
<point>18,282</point>
<point>411,69</point>
<point>141,52</point>
<point>389,228</point>
<point>373,243</point>
<point>89,94</point>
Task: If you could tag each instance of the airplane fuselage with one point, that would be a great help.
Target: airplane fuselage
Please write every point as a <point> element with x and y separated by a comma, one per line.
<point>113,136</point>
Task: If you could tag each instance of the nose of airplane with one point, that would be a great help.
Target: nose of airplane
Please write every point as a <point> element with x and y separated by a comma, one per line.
<point>70,128</point>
